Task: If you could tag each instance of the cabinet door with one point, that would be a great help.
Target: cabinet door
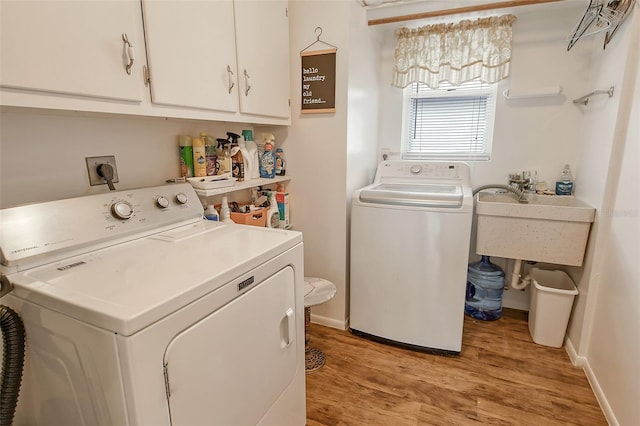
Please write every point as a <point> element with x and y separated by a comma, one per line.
<point>262,38</point>
<point>72,47</point>
<point>191,49</point>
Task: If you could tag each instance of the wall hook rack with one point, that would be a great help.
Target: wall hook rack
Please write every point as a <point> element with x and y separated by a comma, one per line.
<point>585,99</point>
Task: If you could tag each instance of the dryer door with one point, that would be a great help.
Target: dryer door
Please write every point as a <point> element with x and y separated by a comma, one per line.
<point>231,367</point>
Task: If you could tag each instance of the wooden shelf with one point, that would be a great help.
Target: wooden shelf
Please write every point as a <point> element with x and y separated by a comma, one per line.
<point>239,186</point>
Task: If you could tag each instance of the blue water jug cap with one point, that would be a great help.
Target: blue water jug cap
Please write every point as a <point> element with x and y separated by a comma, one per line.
<point>486,267</point>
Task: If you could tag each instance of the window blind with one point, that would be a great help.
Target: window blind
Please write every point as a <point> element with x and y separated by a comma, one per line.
<point>451,122</point>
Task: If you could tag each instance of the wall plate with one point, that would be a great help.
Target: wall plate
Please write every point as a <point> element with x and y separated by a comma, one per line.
<point>92,168</point>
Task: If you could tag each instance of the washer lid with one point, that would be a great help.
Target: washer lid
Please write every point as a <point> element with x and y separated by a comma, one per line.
<point>408,194</point>
<point>129,286</point>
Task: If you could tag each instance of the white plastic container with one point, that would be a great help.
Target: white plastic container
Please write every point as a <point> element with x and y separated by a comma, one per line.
<point>210,213</point>
<point>273,214</point>
<point>225,212</point>
<point>552,294</point>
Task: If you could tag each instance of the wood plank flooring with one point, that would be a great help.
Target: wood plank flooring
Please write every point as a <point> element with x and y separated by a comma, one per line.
<point>500,378</point>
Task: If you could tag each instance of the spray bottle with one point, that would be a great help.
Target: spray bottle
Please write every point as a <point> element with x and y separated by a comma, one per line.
<point>237,159</point>
<point>224,156</point>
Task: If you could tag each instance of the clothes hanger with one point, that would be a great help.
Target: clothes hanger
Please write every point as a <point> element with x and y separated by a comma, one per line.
<point>318,40</point>
<point>598,18</point>
<point>624,7</point>
<point>589,17</point>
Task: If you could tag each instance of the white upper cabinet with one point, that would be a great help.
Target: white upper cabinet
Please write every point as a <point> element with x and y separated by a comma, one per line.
<point>191,53</point>
<point>262,38</point>
<point>220,60</point>
<point>73,48</point>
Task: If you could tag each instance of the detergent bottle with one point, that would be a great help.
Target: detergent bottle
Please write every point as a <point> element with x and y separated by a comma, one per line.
<point>268,158</point>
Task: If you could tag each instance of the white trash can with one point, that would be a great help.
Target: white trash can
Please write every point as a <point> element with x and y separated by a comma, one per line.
<point>552,294</point>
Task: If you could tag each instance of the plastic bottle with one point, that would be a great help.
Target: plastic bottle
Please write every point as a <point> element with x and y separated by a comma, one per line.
<point>225,212</point>
<point>280,162</point>
<point>273,214</point>
<point>248,165</point>
<point>268,158</point>
<point>211,155</point>
<point>564,184</point>
<point>224,156</point>
<point>251,169</point>
<point>485,285</point>
<point>237,159</point>
<point>199,158</point>
<point>211,213</point>
<point>186,156</point>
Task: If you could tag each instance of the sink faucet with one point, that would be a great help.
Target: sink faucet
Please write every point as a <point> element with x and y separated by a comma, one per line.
<point>525,182</point>
<point>520,192</point>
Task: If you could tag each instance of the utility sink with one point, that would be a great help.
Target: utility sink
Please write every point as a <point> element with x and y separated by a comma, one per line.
<point>547,228</point>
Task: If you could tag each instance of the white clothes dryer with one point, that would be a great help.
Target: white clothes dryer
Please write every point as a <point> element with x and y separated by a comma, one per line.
<point>410,237</point>
<point>139,312</point>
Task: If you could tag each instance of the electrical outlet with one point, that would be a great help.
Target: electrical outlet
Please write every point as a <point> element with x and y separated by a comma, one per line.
<point>92,168</point>
<point>385,153</point>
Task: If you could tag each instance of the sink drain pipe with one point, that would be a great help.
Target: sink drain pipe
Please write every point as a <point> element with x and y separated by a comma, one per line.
<point>13,338</point>
<point>516,281</point>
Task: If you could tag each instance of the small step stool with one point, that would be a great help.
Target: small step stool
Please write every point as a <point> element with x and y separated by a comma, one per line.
<point>316,292</point>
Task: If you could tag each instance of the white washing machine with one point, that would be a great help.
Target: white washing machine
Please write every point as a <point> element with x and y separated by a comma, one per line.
<point>410,236</point>
<point>139,312</point>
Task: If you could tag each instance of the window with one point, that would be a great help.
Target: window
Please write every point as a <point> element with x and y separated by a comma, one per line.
<point>450,122</point>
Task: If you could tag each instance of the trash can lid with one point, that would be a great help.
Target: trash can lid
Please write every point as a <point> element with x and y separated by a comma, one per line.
<point>553,281</point>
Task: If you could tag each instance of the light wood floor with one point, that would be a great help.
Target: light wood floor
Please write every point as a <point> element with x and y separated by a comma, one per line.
<point>501,377</point>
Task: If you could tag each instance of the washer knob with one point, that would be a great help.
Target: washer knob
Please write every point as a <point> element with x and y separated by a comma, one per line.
<point>162,202</point>
<point>181,198</point>
<point>122,210</point>
<point>415,169</point>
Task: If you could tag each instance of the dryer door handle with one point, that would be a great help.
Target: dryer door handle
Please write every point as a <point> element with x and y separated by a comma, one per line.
<point>288,328</point>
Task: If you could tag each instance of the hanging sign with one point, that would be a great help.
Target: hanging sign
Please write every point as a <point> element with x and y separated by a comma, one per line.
<point>318,81</point>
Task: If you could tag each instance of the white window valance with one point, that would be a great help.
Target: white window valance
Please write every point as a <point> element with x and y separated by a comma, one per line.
<point>455,53</point>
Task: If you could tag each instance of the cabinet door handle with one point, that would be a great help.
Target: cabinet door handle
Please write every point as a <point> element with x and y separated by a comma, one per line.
<point>247,81</point>
<point>129,53</point>
<point>231,81</point>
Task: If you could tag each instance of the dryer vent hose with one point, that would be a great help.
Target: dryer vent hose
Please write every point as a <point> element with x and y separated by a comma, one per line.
<point>13,337</point>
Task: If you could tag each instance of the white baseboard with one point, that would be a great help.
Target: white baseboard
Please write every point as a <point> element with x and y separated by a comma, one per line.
<point>583,362</point>
<point>576,360</point>
<point>329,322</point>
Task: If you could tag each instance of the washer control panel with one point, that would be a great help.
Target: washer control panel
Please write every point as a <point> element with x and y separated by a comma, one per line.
<point>399,169</point>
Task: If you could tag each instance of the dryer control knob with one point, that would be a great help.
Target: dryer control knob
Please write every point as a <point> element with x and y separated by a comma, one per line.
<point>122,210</point>
<point>181,198</point>
<point>162,202</point>
<point>415,169</point>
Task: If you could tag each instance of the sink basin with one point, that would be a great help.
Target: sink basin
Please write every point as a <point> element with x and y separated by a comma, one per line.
<point>548,228</point>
